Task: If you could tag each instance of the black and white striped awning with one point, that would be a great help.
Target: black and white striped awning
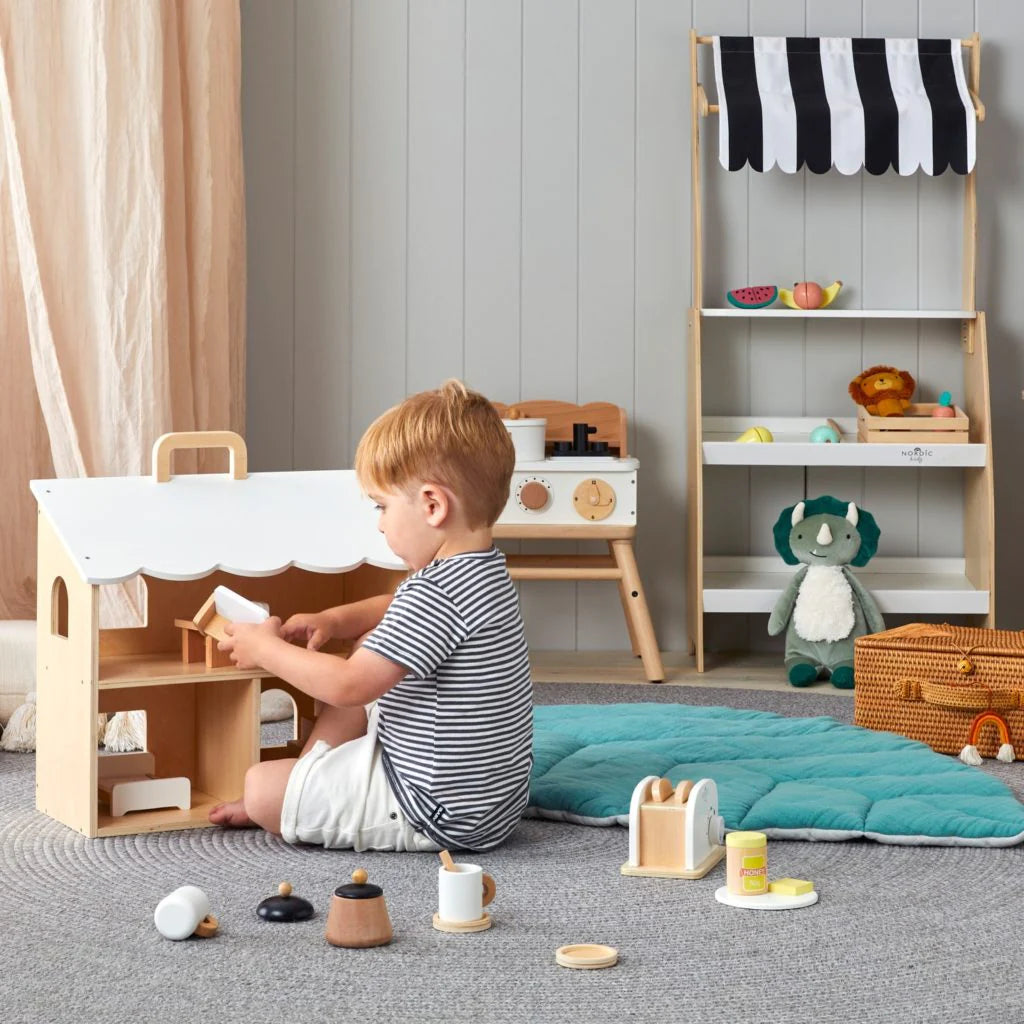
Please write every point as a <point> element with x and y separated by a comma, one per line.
<point>847,103</point>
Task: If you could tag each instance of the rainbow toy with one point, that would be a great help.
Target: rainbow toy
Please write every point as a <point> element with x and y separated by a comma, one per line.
<point>970,755</point>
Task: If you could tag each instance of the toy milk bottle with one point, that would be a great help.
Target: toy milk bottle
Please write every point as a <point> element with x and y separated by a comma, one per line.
<point>746,864</point>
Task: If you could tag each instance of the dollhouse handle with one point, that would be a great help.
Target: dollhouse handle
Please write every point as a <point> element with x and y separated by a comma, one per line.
<point>169,443</point>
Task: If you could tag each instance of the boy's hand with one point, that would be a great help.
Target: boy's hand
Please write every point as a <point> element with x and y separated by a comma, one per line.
<point>246,641</point>
<point>312,629</point>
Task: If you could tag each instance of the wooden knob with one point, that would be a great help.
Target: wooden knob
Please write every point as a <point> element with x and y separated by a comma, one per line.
<point>359,876</point>
<point>661,790</point>
<point>285,889</point>
<point>533,495</point>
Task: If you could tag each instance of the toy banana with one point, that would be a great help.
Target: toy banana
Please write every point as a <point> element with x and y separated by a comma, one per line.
<point>787,298</point>
<point>828,294</point>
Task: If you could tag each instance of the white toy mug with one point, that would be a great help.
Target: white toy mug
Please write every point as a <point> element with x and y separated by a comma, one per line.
<point>178,914</point>
<point>463,892</point>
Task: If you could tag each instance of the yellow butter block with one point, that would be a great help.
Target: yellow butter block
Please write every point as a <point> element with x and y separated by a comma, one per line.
<point>791,886</point>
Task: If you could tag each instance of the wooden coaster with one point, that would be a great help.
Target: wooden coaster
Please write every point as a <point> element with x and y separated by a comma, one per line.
<point>479,925</point>
<point>587,956</point>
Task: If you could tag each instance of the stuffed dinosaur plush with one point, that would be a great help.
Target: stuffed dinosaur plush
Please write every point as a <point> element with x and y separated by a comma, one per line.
<point>825,607</point>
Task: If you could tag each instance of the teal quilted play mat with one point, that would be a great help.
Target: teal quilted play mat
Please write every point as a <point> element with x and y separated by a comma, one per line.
<point>795,778</point>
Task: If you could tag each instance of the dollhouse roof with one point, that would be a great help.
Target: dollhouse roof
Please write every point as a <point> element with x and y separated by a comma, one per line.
<point>194,524</point>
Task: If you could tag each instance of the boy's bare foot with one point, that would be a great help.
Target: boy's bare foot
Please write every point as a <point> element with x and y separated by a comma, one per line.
<point>231,815</point>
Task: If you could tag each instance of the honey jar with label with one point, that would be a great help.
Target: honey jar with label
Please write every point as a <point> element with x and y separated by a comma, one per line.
<point>746,864</point>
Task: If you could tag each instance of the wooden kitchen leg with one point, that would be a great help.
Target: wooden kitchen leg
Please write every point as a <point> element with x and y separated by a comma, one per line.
<point>626,599</point>
<point>637,613</point>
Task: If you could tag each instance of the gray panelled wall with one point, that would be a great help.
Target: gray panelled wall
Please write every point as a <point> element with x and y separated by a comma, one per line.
<point>499,190</point>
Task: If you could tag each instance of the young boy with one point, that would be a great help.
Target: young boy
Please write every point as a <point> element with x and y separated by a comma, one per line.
<point>443,757</point>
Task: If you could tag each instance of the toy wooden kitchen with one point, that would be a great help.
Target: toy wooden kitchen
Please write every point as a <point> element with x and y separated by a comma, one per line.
<point>583,486</point>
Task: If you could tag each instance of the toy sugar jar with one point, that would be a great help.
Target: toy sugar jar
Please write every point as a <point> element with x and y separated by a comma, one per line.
<point>746,863</point>
<point>358,916</point>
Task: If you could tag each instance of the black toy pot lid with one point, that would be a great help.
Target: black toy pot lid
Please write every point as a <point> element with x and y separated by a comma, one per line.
<point>359,888</point>
<point>285,906</point>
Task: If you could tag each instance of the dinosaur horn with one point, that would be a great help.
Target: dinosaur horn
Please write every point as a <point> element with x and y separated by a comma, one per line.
<point>798,513</point>
<point>851,513</point>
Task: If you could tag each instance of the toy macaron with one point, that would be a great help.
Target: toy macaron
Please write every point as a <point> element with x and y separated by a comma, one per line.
<point>825,434</point>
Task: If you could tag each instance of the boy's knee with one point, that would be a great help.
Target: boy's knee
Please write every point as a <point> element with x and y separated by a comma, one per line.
<point>263,794</point>
<point>259,799</point>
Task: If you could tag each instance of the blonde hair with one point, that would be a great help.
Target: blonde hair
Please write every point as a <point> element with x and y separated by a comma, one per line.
<point>452,436</point>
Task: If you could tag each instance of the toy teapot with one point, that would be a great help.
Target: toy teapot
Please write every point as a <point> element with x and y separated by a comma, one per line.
<point>358,916</point>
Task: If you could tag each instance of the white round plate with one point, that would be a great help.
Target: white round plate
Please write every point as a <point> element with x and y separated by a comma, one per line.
<point>767,901</point>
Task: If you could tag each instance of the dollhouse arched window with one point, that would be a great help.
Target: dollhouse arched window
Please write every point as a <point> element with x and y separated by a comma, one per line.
<point>59,608</point>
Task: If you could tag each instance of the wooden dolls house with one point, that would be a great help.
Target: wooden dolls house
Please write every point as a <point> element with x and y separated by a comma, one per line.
<point>297,541</point>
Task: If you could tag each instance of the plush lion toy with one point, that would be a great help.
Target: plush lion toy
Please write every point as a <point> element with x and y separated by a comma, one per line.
<point>883,390</point>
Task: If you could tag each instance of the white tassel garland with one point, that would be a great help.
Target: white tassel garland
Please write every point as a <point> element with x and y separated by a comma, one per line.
<point>20,734</point>
<point>969,755</point>
<point>1006,752</point>
<point>126,731</point>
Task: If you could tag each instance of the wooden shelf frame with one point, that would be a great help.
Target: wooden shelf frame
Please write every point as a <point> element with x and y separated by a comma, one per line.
<point>974,594</point>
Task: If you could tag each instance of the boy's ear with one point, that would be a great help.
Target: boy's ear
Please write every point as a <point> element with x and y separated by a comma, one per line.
<point>435,502</point>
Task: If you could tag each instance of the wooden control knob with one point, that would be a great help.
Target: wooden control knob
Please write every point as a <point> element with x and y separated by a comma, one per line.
<point>594,499</point>
<point>534,495</point>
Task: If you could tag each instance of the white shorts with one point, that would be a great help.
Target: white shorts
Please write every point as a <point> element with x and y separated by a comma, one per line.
<point>339,797</point>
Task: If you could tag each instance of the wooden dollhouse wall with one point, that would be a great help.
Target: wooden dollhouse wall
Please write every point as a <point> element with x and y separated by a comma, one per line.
<point>500,189</point>
<point>67,619</point>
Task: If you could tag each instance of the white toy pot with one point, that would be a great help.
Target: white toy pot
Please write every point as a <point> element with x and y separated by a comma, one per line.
<point>527,438</point>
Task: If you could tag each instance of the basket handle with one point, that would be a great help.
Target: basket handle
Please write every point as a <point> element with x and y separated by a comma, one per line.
<point>169,443</point>
<point>962,697</point>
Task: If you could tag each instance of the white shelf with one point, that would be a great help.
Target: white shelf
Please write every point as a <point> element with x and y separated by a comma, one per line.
<point>791,446</point>
<point>843,314</point>
<point>916,586</point>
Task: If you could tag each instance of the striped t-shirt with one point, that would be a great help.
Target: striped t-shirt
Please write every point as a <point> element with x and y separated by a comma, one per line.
<point>457,732</point>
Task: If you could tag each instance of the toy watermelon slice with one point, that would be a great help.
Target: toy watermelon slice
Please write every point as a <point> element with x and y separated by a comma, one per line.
<point>754,297</point>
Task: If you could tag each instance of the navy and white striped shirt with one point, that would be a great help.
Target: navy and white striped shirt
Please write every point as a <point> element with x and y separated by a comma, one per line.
<point>457,731</point>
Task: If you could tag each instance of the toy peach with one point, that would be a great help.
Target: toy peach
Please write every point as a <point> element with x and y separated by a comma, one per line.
<point>808,295</point>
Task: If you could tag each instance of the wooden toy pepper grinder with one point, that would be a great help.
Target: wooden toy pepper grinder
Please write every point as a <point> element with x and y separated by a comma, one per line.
<point>358,917</point>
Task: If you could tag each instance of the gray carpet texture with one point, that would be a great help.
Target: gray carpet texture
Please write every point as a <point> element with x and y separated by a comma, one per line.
<point>908,934</point>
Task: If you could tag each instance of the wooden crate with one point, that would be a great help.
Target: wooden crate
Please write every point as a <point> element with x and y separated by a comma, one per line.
<point>917,426</point>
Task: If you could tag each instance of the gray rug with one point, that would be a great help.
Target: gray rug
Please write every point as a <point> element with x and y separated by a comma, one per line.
<point>900,934</point>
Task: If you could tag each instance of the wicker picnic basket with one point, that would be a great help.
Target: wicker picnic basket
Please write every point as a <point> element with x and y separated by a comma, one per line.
<point>959,690</point>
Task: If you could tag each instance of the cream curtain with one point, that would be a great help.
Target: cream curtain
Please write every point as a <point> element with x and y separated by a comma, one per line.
<point>122,282</point>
